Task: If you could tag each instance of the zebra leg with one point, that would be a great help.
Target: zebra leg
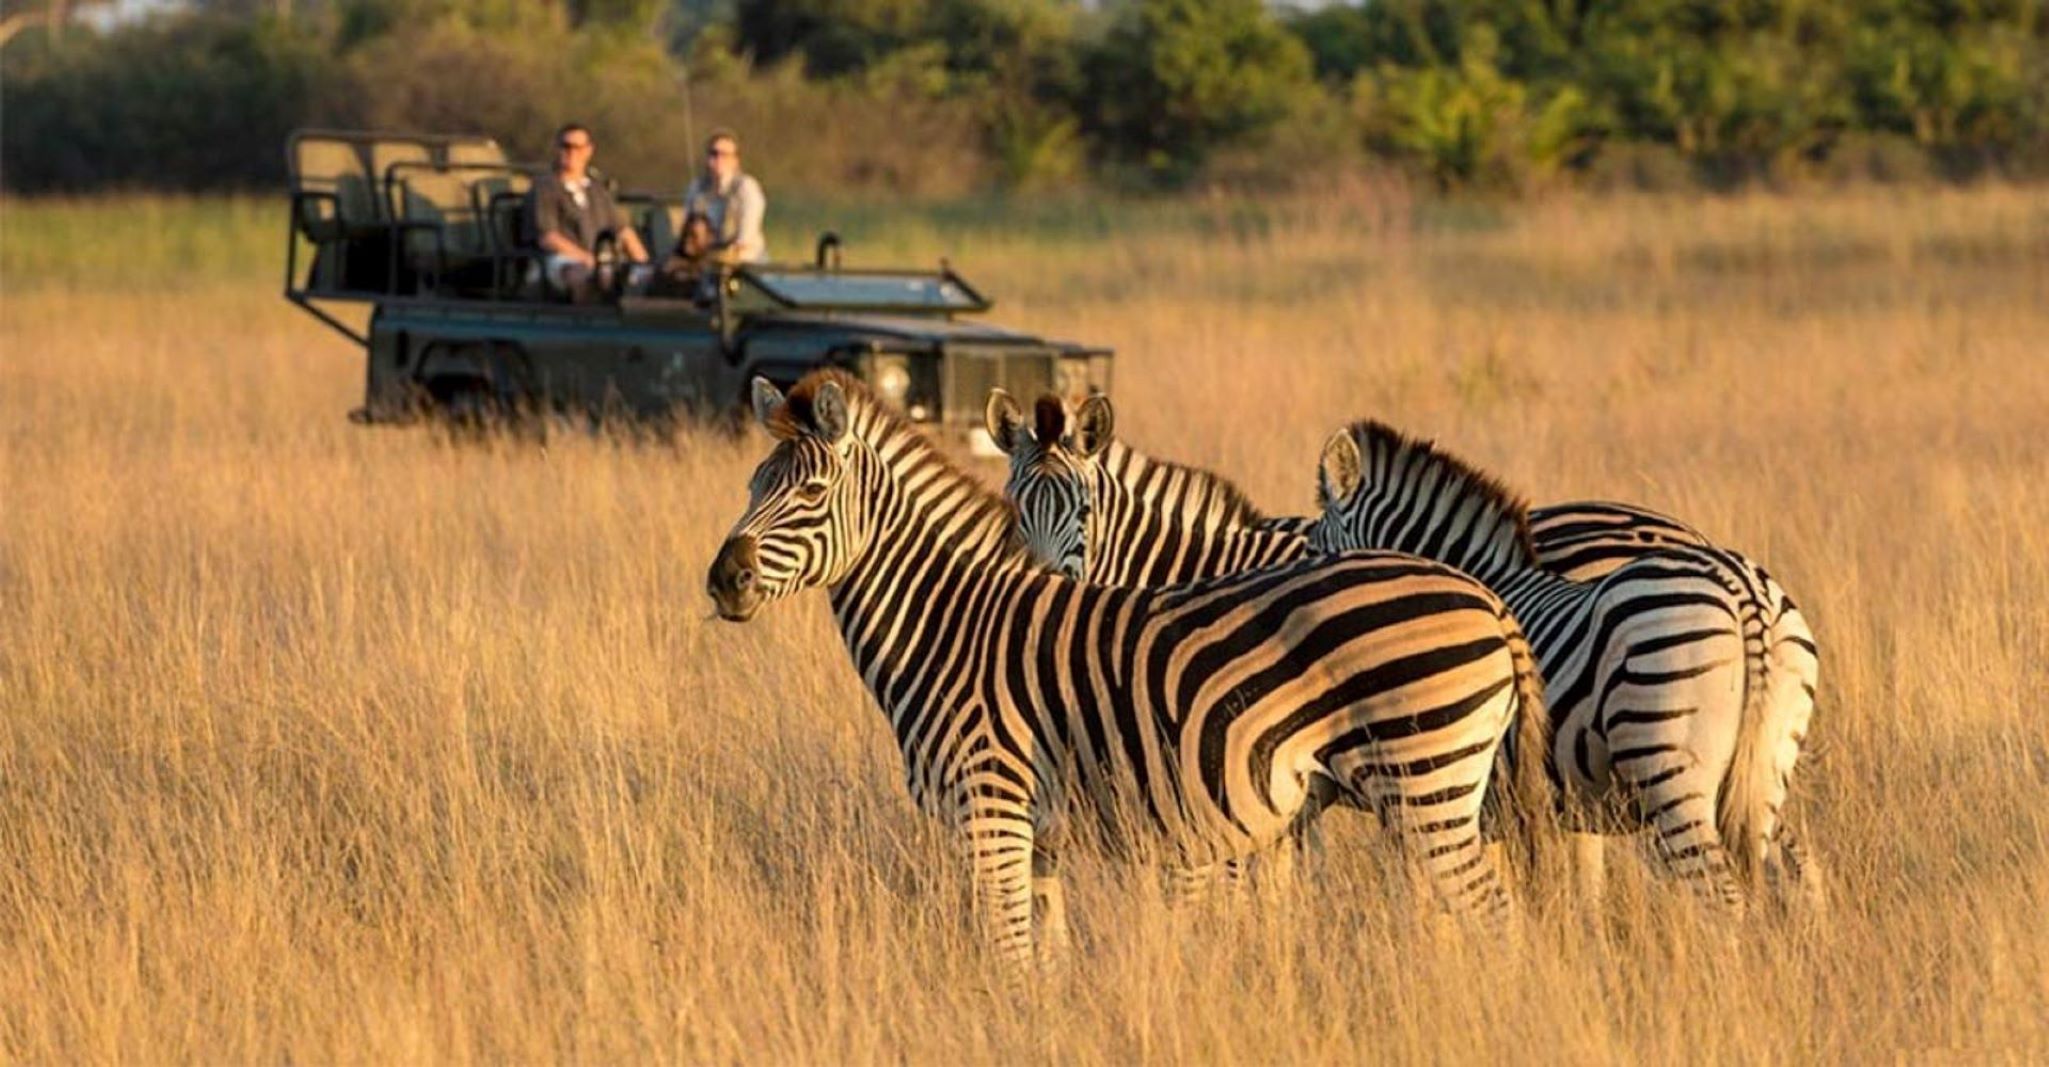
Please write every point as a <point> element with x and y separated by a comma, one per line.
<point>1798,875</point>
<point>998,832</point>
<point>1049,909</point>
<point>1189,887</point>
<point>1439,827</point>
<point>1281,865</point>
<point>1676,801</point>
<point>1304,848</point>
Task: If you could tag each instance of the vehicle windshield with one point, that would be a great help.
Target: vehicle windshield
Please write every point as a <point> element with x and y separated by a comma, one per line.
<point>902,290</point>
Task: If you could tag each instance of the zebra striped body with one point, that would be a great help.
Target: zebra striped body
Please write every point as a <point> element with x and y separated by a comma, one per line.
<point>1680,683</point>
<point>1185,723</point>
<point>1614,718</point>
<point>1588,539</point>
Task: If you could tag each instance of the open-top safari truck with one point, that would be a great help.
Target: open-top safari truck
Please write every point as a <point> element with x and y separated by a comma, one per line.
<point>431,232</point>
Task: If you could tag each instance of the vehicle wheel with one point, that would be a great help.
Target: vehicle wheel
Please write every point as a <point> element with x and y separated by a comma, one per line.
<point>465,405</point>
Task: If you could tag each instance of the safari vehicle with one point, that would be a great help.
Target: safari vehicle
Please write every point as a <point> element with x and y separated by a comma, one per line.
<point>430,232</point>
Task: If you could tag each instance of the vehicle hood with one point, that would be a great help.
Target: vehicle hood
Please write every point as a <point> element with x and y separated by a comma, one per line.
<point>907,327</point>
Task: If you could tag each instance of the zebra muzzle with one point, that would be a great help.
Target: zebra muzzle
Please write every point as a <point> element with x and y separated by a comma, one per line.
<point>735,580</point>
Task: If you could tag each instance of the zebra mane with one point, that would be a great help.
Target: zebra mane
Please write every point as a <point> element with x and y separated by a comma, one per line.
<point>1219,497</point>
<point>1389,456</point>
<point>1049,420</point>
<point>797,414</point>
<point>900,446</point>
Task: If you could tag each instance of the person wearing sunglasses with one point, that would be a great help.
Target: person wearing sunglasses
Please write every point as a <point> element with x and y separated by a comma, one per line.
<point>572,215</point>
<point>730,200</point>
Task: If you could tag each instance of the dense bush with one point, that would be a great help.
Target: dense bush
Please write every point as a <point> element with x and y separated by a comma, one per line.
<point>1172,80</point>
<point>942,97</point>
<point>1482,89</point>
<point>196,104</point>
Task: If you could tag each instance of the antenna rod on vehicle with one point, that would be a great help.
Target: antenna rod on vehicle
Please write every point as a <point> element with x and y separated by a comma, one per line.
<point>689,123</point>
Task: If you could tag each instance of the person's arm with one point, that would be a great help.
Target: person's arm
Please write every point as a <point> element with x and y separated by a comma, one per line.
<point>559,243</point>
<point>612,220</point>
<point>749,206</point>
<point>629,241</point>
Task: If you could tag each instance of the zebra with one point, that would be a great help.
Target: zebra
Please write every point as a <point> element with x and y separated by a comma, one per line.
<point>1586,541</point>
<point>1090,505</point>
<point>1077,486</point>
<point>1188,721</point>
<point>1681,683</point>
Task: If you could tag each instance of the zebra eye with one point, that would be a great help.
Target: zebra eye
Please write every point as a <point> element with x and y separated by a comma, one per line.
<point>811,492</point>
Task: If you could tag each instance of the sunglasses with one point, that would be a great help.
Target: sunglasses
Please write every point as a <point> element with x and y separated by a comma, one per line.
<point>572,144</point>
<point>717,152</point>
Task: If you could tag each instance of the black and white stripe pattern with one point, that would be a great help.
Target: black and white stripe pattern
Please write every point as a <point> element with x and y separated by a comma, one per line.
<point>1077,486</point>
<point>1587,539</point>
<point>1088,504</point>
<point>1094,509</point>
<point>1680,683</point>
<point>1022,700</point>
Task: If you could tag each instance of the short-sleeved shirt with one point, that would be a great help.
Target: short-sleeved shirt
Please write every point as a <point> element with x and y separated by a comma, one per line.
<point>582,210</point>
<point>735,211</point>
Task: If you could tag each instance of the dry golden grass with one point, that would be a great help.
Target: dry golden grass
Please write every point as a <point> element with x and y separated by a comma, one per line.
<point>327,744</point>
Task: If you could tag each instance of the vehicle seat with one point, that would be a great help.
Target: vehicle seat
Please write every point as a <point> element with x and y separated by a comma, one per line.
<point>480,152</point>
<point>336,207</point>
<point>446,239</point>
<point>332,168</point>
<point>384,155</point>
<point>500,204</point>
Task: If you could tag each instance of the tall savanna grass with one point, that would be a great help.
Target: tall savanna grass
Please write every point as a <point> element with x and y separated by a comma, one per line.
<point>323,743</point>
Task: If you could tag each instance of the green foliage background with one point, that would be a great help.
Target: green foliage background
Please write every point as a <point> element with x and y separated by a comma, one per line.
<point>940,98</point>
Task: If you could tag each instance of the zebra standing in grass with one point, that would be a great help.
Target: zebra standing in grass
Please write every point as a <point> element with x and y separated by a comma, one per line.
<point>1681,682</point>
<point>1187,720</point>
<point>1093,506</point>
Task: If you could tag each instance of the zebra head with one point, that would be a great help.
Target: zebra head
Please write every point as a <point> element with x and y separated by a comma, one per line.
<point>1053,474</point>
<point>1347,510</point>
<point>805,521</point>
<point>1380,489</point>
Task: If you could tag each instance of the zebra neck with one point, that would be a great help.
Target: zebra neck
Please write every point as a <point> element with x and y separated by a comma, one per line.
<point>1463,533</point>
<point>1162,523</point>
<point>940,549</point>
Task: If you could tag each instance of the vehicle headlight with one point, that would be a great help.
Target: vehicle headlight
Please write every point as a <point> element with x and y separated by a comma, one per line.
<point>890,377</point>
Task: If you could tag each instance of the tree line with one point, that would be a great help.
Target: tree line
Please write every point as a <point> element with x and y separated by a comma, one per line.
<point>948,97</point>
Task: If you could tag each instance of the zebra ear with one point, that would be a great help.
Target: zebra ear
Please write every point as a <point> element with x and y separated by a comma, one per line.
<point>1338,472</point>
<point>1094,424</point>
<point>829,412</point>
<point>768,402</point>
<point>1002,418</point>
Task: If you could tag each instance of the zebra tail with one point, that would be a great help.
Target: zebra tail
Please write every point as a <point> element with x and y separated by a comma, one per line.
<point>1748,814</point>
<point>1531,782</point>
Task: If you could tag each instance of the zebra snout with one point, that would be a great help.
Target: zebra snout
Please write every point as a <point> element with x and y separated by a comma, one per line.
<point>735,580</point>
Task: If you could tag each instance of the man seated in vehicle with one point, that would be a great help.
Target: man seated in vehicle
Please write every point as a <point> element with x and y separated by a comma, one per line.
<point>572,215</point>
<point>732,201</point>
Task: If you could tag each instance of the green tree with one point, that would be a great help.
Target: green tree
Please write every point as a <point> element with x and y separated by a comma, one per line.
<point>1462,123</point>
<point>1173,80</point>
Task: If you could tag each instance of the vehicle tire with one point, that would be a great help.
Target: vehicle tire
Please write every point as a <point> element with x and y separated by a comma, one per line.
<point>466,406</point>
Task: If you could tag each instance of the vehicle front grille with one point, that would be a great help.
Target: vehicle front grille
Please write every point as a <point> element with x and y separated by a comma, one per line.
<point>1024,372</point>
